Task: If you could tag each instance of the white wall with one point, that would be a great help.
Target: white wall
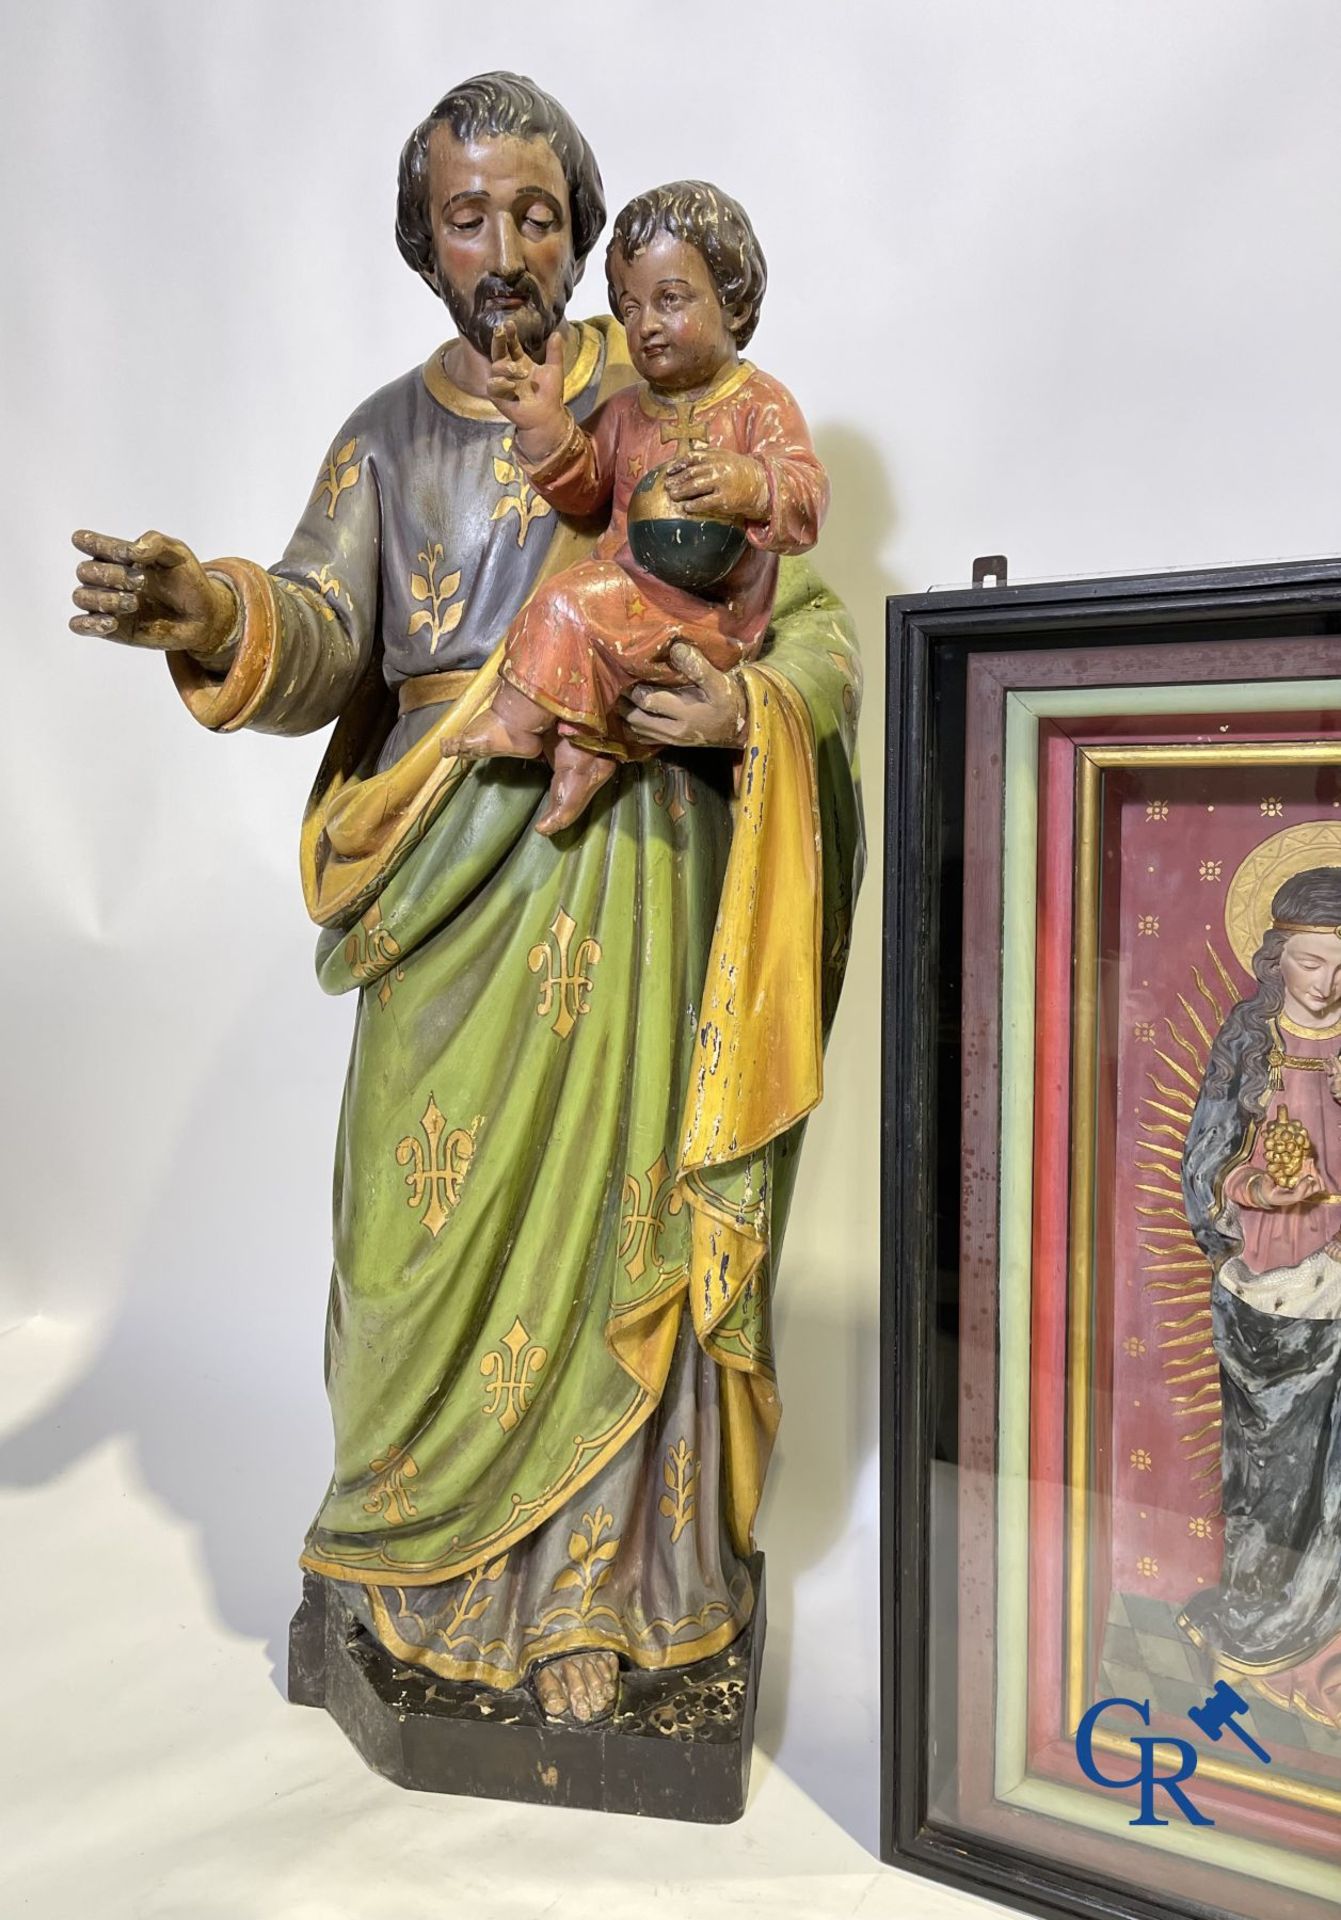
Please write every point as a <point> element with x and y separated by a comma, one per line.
<point>1058,278</point>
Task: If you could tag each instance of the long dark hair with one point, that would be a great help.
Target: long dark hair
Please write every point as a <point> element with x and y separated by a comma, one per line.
<point>490,105</point>
<point>1240,1054</point>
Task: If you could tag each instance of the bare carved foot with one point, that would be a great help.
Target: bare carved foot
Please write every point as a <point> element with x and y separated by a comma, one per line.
<point>581,1684</point>
<point>489,738</point>
<point>578,775</point>
<point>513,726</point>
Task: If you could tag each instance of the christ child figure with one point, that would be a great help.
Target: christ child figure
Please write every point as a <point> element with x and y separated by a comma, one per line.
<point>707,469</point>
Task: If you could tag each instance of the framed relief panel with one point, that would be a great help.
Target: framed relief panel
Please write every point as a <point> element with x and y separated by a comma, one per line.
<point>1112,1244</point>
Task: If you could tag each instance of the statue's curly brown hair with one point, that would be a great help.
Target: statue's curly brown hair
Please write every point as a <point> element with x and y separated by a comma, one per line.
<point>716,226</point>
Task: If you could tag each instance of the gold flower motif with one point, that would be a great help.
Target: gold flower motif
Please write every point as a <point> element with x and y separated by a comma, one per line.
<point>1134,1345</point>
<point>1147,1567</point>
<point>1140,1459</point>
<point>680,1472</point>
<point>341,471</point>
<point>525,502</point>
<point>590,1553</point>
<point>1200,1527</point>
<point>1144,1030</point>
<point>1157,810</point>
<point>440,618</point>
<point>1210,869</point>
<point>1148,923</point>
<point>1272,807</point>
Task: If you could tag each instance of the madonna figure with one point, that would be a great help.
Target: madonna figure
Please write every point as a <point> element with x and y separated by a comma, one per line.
<point>1261,1182</point>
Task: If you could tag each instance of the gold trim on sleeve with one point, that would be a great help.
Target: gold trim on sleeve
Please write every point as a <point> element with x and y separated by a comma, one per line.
<point>224,705</point>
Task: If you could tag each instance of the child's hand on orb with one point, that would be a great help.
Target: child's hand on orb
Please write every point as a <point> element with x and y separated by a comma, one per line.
<point>722,486</point>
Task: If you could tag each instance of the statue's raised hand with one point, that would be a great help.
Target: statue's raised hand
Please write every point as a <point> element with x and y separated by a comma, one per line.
<point>150,592</point>
<point>529,392</point>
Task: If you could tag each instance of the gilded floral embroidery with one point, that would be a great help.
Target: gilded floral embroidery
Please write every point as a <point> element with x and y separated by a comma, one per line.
<point>565,991</point>
<point>342,472</point>
<point>674,790</point>
<point>523,500</point>
<point>371,953</point>
<point>324,582</point>
<point>648,1203</point>
<point>438,1165</point>
<point>680,1472</point>
<point>388,1495</point>
<point>511,1370</point>
<point>590,1554</point>
<point>440,617</point>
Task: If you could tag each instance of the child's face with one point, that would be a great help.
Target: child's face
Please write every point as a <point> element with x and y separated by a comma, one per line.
<point>677,330</point>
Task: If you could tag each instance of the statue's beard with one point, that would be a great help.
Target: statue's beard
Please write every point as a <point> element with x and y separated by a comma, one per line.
<point>478,318</point>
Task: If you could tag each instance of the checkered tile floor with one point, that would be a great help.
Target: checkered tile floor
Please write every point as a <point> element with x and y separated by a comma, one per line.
<point>1145,1657</point>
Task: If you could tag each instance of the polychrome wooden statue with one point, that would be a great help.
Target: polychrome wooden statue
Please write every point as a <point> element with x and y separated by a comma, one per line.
<point>686,278</point>
<point>582,1062</point>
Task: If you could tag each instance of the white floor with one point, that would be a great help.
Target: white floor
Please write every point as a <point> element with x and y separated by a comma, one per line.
<point>150,1768</point>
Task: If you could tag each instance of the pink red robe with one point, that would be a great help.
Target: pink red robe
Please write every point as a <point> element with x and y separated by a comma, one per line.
<point>605,625</point>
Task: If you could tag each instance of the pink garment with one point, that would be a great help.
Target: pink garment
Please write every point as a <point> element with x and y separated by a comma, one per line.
<point>605,625</point>
<point>1275,1238</point>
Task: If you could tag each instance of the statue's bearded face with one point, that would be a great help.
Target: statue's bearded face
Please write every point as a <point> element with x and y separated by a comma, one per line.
<point>1310,971</point>
<point>502,235</point>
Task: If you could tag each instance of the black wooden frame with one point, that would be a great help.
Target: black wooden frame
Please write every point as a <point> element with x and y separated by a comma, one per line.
<point>929,636</point>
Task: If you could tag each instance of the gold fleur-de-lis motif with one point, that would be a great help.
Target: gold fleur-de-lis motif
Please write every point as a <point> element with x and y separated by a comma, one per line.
<point>643,1221</point>
<point>511,1370</point>
<point>371,951</point>
<point>590,1553</point>
<point>523,500</point>
<point>438,616</point>
<point>565,988</point>
<point>341,472</point>
<point>388,1495</point>
<point>674,790</point>
<point>680,1472</point>
<point>438,1175</point>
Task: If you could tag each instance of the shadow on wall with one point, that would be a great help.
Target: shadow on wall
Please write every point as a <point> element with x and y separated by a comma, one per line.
<point>819,1708</point>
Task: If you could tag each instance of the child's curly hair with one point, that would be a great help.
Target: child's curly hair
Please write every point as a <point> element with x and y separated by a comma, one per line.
<point>716,226</point>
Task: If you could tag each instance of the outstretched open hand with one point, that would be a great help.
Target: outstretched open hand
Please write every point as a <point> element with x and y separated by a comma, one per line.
<point>150,592</point>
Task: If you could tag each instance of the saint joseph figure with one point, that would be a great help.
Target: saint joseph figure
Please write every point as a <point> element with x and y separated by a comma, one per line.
<point>580,1067</point>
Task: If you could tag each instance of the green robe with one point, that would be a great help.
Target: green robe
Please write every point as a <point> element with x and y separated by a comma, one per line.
<point>569,1132</point>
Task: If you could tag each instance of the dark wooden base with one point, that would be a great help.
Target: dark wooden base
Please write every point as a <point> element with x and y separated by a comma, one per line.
<point>678,1744</point>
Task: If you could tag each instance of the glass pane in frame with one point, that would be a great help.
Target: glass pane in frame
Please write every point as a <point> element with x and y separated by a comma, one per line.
<point>1134,846</point>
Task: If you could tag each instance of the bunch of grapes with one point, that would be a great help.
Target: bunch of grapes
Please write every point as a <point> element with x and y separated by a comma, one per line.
<point>1286,1146</point>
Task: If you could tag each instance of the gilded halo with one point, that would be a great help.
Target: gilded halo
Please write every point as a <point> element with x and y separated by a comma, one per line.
<point>1313,843</point>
